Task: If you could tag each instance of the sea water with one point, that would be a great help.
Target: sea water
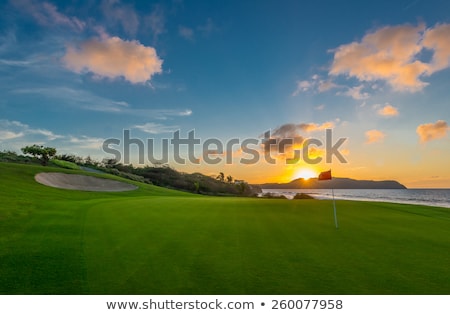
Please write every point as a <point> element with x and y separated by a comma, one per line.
<point>429,197</point>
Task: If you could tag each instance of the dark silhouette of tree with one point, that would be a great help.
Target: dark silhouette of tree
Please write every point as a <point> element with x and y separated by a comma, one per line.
<point>230,179</point>
<point>41,152</point>
<point>221,177</point>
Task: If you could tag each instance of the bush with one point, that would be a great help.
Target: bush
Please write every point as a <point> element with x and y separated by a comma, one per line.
<point>303,196</point>
<point>273,196</point>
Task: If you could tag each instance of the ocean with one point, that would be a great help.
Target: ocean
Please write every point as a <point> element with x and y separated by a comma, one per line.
<point>428,197</point>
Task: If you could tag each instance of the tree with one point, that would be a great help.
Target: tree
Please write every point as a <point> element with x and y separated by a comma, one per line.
<point>221,177</point>
<point>230,179</point>
<point>197,187</point>
<point>41,152</point>
<point>242,187</point>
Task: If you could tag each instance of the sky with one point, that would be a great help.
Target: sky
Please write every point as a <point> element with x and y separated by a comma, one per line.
<point>377,74</point>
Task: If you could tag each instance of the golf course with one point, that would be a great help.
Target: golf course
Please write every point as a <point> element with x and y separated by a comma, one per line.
<point>153,240</point>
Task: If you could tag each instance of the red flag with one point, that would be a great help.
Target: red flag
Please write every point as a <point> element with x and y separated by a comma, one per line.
<point>325,175</point>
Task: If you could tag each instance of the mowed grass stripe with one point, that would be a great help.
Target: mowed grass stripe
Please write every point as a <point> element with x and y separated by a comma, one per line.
<point>159,241</point>
<point>235,245</point>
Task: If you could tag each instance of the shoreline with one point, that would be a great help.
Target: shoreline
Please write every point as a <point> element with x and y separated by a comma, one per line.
<point>373,195</point>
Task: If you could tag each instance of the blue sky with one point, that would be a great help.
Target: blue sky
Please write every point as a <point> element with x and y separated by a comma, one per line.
<point>74,73</point>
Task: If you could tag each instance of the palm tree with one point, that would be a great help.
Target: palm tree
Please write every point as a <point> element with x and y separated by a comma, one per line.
<point>221,177</point>
<point>230,179</point>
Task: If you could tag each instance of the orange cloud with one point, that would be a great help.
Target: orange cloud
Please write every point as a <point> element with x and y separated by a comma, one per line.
<point>373,136</point>
<point>392,54</point>
<point>388,111</point>
<point>309,127</point>
<point>438,40</point>
<point>113,57</point>
<point>428,132</point>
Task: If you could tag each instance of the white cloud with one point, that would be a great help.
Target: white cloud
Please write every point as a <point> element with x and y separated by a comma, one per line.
<point>87,101</point>
<point>8,135</point>
<point>15,63</point>
<point>155,128</point>
<point>113,57</point>
<point>77,98</point>
<point>14,135</point>
<point>15,129</point>
<point>85,142</point>
<point>47,14</point>
<point>432,131</point>
<point>320,107</point>
<point>316,84</point>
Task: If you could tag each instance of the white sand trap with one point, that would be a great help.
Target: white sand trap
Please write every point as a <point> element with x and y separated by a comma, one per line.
<point>81,182</point>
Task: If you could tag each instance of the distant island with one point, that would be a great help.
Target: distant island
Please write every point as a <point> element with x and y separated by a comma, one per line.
<point>336,183</point>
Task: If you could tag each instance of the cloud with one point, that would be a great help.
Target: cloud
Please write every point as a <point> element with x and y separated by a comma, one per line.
<point>294,130</point>
<point>15,135</point>
<point>355,93</point>
<point>125,15</point>
<point>320,107</point>
<point>373,136</point>
<point>186,32</point>
<point>85,142</point>
<point>8,135</point>
<point>302,86</point>
<point>88,101</point>
<point>315,84</point>
<point>432,131</point>
<point>160,114</point>
<point>392,54</point>
<point>14,129</point>
<point>156,21</point>
<point>388,111</point>
<point>155,128</point>
<point>310,127</point>
<point>324,86</point>
<point>77,98</point>
<point>437,39</point>
<point>113,57</point>
<point>47,14</point>
<point>15,63</point>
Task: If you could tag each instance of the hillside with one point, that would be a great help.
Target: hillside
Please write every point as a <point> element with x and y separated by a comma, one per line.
<point>336,183</point>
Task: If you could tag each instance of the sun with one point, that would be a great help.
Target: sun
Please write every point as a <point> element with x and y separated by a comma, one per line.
<point>305,173</point>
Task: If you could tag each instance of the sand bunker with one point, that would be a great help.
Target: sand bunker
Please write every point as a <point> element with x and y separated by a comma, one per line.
<point>81,182</point>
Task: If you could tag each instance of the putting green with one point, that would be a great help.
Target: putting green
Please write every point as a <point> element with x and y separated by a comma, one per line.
<point>159,241</point>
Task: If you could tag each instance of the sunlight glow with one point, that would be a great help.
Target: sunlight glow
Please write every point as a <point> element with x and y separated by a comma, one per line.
<point>305,173</point>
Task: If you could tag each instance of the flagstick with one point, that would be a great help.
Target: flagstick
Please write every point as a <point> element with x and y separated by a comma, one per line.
<point>334,206</point>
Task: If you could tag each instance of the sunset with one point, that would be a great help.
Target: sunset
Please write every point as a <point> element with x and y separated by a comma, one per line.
<point>305,173</point>
<point>378,80</point>
<point>229,148</point>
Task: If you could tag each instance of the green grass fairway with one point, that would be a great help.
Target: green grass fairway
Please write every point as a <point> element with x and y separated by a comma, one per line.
<point>158,241</point>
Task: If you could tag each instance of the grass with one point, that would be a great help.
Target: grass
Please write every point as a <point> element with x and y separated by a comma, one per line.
<point>65,164</point>
<point>158,241</point>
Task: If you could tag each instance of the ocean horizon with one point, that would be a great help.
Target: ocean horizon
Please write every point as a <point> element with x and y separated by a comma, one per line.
<point>429,197</point>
